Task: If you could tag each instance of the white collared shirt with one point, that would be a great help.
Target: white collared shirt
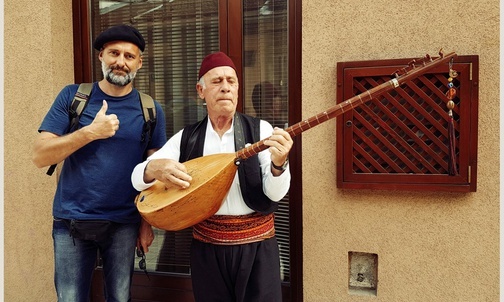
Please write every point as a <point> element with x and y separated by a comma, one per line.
<point>275,187</point>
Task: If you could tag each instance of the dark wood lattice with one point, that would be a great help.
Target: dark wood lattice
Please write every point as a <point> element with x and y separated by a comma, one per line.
<point>400,140</point>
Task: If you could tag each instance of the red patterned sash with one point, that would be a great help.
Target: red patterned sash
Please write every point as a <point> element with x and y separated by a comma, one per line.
<point>231,230</point>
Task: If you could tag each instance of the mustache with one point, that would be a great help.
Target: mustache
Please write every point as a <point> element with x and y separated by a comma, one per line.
<point>115,67</point>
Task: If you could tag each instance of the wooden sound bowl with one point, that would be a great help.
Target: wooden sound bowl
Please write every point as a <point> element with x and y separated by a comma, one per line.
<point>174,209</point>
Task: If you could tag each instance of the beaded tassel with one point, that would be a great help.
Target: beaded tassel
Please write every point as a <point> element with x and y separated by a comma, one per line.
<point>450,95</point>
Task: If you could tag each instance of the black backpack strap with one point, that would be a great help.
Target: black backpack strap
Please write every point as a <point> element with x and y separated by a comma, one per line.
<point>79,102</point>
<point>149,114</point>
<point>148,107</point>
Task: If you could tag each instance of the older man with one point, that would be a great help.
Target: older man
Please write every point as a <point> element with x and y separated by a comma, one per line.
<point>234,254</point>
<point>94,203</point>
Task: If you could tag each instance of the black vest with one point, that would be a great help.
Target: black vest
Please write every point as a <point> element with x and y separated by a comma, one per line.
<point>246,130</point>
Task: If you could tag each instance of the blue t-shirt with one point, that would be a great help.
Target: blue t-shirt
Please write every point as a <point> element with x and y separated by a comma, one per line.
<point>95,181</point>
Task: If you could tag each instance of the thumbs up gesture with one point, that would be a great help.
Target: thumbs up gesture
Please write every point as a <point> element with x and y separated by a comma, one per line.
<point>104,125</point>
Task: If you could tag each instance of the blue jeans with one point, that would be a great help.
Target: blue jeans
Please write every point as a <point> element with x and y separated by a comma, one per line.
<point>75,259</point>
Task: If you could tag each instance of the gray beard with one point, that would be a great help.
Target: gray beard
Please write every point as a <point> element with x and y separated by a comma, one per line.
<point>114,79</point>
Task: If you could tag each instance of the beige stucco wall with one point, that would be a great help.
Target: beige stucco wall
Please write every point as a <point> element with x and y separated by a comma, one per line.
<point>38,62</point>
<point>431,246</point>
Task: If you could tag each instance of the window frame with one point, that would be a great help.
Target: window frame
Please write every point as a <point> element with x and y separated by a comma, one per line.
<point>467,119</point>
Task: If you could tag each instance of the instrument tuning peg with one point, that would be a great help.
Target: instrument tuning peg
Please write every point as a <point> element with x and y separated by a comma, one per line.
<point>441,54</point>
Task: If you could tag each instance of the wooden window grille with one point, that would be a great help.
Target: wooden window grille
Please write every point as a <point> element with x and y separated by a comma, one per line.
<point>400,140</point>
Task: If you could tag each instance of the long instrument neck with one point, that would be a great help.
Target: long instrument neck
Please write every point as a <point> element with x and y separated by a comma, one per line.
<point>349,104</point>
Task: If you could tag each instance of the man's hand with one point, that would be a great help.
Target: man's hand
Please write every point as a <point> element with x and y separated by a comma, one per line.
<point>145,236</point>
<point>104,125</point>
<point>170,172</point>
<point>280,143</point>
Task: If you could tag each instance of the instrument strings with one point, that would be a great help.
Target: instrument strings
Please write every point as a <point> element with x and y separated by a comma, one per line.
<point>401,76</point>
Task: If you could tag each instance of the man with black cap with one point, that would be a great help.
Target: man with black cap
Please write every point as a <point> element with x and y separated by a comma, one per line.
<point>234,253</point>
<point>94,206</point>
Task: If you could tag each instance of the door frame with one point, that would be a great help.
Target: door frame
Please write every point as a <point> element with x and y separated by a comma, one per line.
<point>231,42</point>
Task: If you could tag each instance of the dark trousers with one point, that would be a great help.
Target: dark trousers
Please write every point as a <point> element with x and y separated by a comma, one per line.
<point>236,273</point>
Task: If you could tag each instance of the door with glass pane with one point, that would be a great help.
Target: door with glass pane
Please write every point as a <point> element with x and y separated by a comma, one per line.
<point>178,34</point>
<point>265,90</point>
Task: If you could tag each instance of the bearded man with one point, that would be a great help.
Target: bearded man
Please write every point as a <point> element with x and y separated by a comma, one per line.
<point>94,190</point>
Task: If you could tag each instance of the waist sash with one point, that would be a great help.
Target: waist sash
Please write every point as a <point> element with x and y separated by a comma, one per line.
<point>232,230</point>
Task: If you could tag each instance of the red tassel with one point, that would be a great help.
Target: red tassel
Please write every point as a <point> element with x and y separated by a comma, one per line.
<point>452,163</point>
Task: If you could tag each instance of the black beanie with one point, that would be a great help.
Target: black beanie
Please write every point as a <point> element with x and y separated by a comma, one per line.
<point>120,33</point>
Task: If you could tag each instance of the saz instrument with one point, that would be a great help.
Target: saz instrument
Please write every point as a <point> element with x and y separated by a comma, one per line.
<point>174,209</point>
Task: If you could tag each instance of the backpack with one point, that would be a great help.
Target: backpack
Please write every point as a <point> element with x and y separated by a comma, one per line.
<point>79,102</point>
